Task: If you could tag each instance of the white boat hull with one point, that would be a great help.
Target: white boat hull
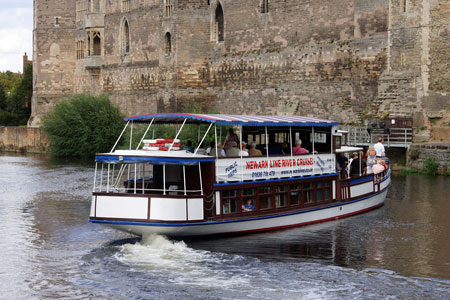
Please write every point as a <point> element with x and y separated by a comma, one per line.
<point>291,219</point>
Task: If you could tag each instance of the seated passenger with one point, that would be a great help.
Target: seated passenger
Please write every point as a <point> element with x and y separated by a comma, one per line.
<point>248,206</point>
<point>233,151</point>
<point>378,167</point>
<point>219,149</point>
<point>189,147</point>
<point>298,148</point>
<point>211,146</point>
<point>243,150</point>
<point>253,151</point>
<point>371,159</point>
<point>285,148</point>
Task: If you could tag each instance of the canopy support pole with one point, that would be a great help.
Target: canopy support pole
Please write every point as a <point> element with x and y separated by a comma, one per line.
<point>184,178</point>
<point>178,133</point>
<point>290,146</point>
<point>313,152</point>
<point>240,152</point>
<point>143,137</point>
<point>199,144</point>
<point>217,150</point>
<point>131,133</point>
<point>135,177</point>
<point>107,180</point>
<point>164,179</point>
<point>200,175</point>
<point>267,150</point>
<point>95,175</point>
<point>120,136</point>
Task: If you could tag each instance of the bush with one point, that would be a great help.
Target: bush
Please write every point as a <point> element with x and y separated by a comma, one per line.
<point>430,166</point>
<point>82,125</point>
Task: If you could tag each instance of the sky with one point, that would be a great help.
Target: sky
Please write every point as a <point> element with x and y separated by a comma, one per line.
<point>16,33</point>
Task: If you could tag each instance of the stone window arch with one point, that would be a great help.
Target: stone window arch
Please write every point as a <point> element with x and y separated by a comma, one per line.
<point>218,24</point>
<point>168,44</point>
<point>264,6</point>
<point>125,37</point>
<point>97,44</point>
<point>168,8</point>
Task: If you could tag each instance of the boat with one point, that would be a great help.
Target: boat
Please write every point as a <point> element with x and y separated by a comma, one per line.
<point>154,189</point>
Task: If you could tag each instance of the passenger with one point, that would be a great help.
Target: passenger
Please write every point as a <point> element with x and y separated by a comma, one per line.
<point>248,206</point>
<point>211,145</point>
<point>243,150</point>
<point>349,165</point>
<point>341,165</point>
<point>233,151</point>
<point>189,147</point>
<point>371,159</point>
<point>219,149</point>
<point>378,167</point>
<point>298,148</point>
<point>232,137</point>
<point>253,151</point>
<point>355,170</point>
<point>201,150</point>
<point>285,148</point>
<point>379,148</point>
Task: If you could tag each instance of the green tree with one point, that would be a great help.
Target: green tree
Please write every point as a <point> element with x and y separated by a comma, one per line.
<point>82,125</point>
<point>2,98</point>
<point>19,103</point>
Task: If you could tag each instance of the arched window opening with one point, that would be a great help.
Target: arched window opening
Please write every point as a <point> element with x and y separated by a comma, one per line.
<point>265,6</point>
<point>168,8</point>
<point>89,45</point>
<point>168,44</point>
<point>97,44</point>
<point>219,23</point>
<point>125,37</point>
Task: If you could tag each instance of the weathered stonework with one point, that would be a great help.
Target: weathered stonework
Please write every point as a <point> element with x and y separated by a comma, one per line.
<point>419,153</point>
<point>327,58</point>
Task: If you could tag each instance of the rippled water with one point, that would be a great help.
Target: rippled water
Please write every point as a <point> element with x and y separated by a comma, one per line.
<point>48,249</point>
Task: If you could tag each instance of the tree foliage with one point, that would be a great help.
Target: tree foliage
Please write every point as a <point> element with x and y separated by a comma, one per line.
<point>16,91</point>
<point>82,125</point>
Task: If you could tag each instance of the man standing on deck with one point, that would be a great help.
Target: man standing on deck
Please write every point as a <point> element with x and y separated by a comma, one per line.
<point>379,148</point>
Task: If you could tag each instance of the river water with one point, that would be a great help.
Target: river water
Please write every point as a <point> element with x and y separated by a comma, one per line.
<point>48,249</point>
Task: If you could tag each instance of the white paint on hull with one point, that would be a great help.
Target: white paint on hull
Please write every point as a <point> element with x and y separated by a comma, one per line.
<point>303,218</point>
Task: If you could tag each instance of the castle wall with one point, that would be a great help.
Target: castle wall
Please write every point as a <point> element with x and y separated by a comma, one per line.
<point>321,58</point>
<point>53,59</point>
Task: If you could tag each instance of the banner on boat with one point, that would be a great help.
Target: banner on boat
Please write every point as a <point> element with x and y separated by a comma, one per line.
<point>254,168</point>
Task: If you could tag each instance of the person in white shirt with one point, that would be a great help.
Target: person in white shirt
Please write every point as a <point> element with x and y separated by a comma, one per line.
<point>379,148</point>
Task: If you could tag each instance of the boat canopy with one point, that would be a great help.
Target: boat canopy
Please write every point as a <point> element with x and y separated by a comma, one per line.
<point>155,157</point>
<point>236,120</point>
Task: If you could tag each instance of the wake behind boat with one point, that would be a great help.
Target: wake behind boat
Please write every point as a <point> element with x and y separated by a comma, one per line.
<point>159,188</point>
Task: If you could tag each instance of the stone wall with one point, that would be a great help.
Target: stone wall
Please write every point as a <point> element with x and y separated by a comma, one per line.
<point>322,58</point>
<point>418,154</point>
<point>23,139</point>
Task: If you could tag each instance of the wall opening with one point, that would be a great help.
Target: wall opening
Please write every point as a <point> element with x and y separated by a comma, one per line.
<point>168,44</point>
<point>219,21</point>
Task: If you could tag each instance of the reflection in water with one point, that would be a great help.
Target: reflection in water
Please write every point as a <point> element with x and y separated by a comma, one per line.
<point>48,249</point>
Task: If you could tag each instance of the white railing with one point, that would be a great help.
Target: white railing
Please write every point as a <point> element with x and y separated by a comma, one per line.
<point>393,137</point>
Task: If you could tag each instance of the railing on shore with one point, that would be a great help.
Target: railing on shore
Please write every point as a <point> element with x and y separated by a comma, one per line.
<point>393,137</point>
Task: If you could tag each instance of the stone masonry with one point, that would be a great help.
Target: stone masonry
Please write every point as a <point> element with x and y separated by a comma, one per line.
<point>334,59</point>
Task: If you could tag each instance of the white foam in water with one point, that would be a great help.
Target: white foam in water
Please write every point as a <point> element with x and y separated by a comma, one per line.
<point>179,263</point>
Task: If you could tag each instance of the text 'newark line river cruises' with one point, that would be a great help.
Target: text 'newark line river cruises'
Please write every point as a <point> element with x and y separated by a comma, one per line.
<point>259,173</point>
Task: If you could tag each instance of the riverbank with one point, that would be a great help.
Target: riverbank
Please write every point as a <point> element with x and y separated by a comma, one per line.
<point>429,158</point>
<point>23,140</point>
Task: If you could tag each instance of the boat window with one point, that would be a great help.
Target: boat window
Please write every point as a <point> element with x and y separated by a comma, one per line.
<point>230,201</point>
<point>295,194</point>
<point>248,192</point>
<point>323,190</point>
<point>308,193</point>
<point>229,206</point>
<point>265,201</point>
<point>265,190</point>
<point>280,200</point>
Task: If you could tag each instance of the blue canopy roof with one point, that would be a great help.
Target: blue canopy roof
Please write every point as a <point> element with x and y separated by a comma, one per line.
<point>240,120</point>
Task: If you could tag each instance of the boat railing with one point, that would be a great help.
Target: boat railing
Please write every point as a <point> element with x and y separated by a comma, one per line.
<point>140,190</point>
